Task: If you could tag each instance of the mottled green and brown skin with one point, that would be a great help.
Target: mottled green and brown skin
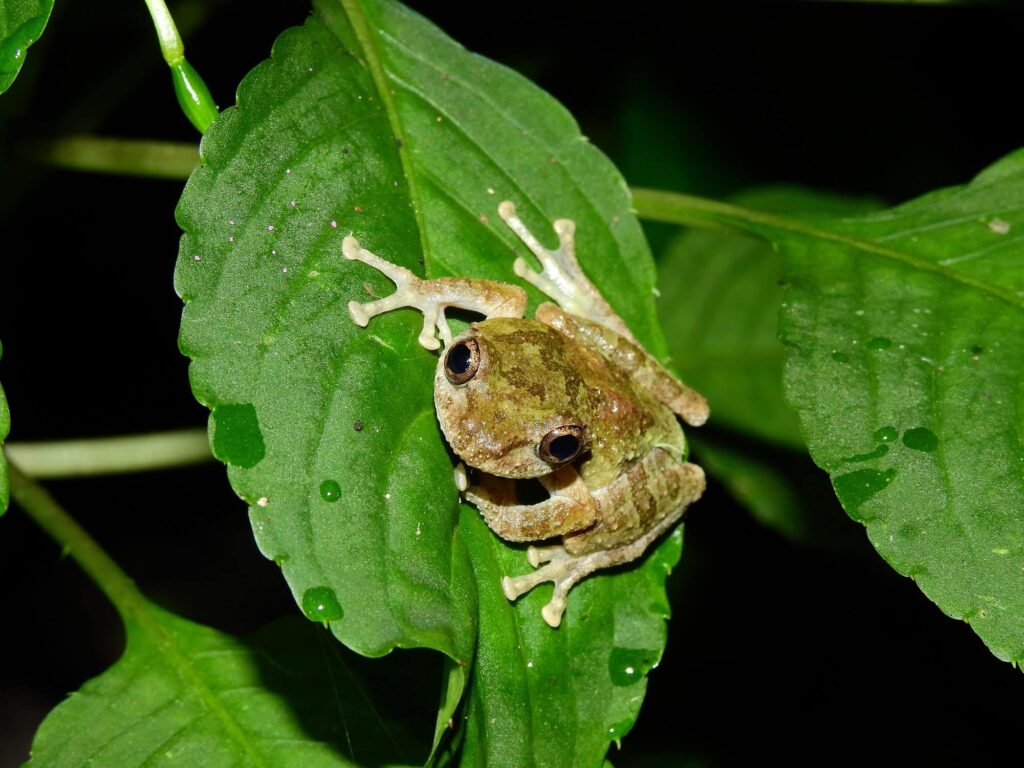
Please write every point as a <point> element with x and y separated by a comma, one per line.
<point>533,378</point>
<point>575,365</point>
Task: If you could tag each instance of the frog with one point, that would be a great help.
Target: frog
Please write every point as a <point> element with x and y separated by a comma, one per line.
<point>568,398</point>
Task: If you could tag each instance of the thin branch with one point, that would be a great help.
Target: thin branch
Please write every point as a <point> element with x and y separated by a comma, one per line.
<point>111,455</point>
<point>171,45</point>
<point>675,208</point>
<point>131,157</point>
<point>39,505</point>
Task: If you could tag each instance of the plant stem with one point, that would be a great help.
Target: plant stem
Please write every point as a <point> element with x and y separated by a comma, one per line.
<point>171,46</point>
<point>132,157</point>
<point>676,208</point>
<point>193,95</point>
<point>111,455</point>
<point>72,538</point>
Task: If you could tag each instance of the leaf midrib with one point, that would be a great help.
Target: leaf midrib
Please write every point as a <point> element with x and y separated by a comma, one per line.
<point>147,622</point>
<point>676,208</point>
<point>357,18</point>
<point>638,289</point>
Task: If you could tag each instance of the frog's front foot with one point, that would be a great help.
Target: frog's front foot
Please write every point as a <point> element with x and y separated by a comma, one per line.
<point>432,297</point>
<point>560,271</point>
<point>410,291</point>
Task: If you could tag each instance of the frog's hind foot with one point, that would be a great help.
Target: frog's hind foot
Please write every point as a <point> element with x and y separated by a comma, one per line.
<point>561,568</point>
<point>561,277</point>
<point>564,570</point>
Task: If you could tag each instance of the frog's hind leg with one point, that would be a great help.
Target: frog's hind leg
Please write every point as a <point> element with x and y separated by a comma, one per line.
<point>556,565</point>
<point>561,277</point>
<point>432,297</point>
<point>629,356</point>
<point>678,485</point>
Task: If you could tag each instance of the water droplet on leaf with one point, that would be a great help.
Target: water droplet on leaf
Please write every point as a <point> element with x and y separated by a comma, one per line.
<point>886,434</point>
<point>321,604</point>
<point>840,357</point>
<point>237,438</point>
<point>618,730</point>
<point>627,666</point>
<point>330,490</point>
<point>878,453</point>
<point>855,488</point>
<point>920,439</point>
<point>879,343</point>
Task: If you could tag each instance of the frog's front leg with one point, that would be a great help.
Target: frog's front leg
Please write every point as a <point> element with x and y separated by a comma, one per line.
<point>561,277</point>
<point>569,509</point>
<point>432,297</point>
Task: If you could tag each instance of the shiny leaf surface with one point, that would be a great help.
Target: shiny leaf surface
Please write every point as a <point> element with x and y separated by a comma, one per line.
<point>185,694</point>
<point>720,297</point>
<point>905,362</point>
<point>21,24</point>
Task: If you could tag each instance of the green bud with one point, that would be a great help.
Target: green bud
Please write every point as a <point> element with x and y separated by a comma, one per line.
<point>193,95</point>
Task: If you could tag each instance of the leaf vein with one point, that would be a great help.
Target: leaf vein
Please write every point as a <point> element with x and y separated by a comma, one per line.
<point>585,199</point>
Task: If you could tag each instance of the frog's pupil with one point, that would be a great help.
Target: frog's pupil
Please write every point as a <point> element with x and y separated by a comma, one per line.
<point>564,447</point>
<point>459,358</point>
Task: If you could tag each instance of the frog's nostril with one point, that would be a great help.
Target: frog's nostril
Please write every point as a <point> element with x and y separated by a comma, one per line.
<point>462,361</point>
<point>562,444</point>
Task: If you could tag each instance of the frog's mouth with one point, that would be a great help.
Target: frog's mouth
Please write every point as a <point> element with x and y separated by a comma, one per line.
<point>491,452</point>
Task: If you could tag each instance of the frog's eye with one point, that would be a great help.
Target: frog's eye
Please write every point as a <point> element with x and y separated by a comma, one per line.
<point>461,361</point>
<point>561,444</point>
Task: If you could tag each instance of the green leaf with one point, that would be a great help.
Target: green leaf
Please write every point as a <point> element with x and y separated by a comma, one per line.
<point>906,364</point>
<point>545,697</point>
<point>21,24</point>
<point>5,427</point>
<point>720,297</point>
<point>369,120</point>
<point>187,694</point>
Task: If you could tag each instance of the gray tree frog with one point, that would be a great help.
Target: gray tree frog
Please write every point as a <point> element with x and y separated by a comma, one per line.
<point>570,398</point>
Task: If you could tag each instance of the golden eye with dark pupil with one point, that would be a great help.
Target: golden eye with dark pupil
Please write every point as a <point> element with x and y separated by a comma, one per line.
<point>461,361</point>
<point>561,444</point>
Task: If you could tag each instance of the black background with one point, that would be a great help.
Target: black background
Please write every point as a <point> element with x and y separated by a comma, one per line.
<point>804,654</point>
